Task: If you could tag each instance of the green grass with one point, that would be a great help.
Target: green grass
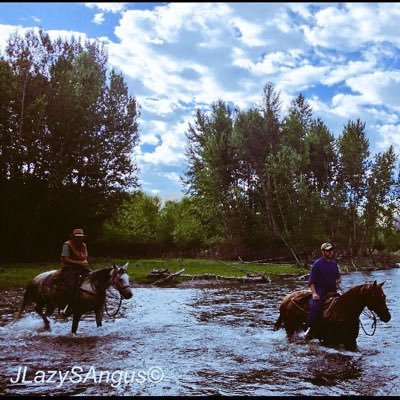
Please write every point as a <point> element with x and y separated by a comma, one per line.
<point>19,275</point>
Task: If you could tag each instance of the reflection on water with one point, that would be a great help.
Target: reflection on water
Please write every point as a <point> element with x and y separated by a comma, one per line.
<point>206,341</point>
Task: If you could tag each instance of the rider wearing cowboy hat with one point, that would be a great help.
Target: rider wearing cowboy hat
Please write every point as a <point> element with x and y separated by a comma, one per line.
<point>74,265</point>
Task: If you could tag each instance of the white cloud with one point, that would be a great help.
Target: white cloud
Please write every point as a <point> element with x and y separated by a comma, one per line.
<point>250,33</point>
<point>389,135</point>
<point>354,24</point>
<point>347,106</point>
<point>107,7</point>
<point>172,176</point>
<point>171,150</point>
<point>300,78</point>
<point>344,71</point>
<point>379,87</point>
<point>98,18</point>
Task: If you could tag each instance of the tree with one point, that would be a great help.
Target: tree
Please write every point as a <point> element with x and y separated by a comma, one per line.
<point>211,166</point>
<point>352,176</point>
<point>381,200</point>
<point>69,132</point>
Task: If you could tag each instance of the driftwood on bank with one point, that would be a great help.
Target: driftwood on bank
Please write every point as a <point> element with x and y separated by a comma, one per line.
<point>166,275</point>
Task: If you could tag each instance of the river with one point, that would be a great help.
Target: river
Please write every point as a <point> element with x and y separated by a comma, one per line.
<point>208,340</point>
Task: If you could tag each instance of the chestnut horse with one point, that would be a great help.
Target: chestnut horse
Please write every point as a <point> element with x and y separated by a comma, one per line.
<point>341,326</point>
<point>46,290</point>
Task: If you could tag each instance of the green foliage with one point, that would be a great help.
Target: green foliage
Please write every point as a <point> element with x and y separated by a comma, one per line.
<point>287,180</point>
<point>68,129</point>
<point>136,221</point>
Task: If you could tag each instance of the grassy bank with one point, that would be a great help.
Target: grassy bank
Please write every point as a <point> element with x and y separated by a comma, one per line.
<point>19,275</point>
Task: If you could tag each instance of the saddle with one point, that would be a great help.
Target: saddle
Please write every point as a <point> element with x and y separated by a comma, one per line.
<point>302,301</point>
<point>330,300</point>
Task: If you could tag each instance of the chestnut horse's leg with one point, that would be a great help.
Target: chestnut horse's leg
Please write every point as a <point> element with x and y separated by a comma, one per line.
<point>278,323</point>
<point>99,315</point>
<point>75,321</point>
<point>351,345</point>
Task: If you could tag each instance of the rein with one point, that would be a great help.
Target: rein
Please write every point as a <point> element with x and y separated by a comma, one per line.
<point>298,306</point>
<point>112,295</point>
<point>373,325</point>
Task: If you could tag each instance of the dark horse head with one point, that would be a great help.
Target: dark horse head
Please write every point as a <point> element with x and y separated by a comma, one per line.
<point>45,290</point>
<point>375,300</point>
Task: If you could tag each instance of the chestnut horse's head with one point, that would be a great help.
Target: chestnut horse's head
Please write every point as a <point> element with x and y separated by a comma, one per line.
<point>376,300</point>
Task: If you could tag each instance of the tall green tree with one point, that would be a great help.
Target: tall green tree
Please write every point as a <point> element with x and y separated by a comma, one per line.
<point>211,167</point>
<point>354,162</point>
<point>382,201</point>
<point>69,132</point>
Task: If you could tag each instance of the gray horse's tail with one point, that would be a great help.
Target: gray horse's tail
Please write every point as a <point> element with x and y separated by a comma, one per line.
<point>28,299</point>
<point>278,323</point>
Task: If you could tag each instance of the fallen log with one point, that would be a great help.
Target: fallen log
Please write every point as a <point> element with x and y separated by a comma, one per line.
<point>155,273</point>
<point>168,277</point>
<point>247,278</point>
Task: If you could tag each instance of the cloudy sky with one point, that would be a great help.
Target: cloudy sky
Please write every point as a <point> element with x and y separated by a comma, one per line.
<point>178,57</point>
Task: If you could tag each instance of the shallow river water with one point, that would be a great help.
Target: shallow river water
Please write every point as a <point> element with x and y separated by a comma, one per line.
<point>209,340</point>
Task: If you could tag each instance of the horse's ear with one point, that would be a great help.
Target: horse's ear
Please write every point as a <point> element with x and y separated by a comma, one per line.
<point>114,266</point>
<point>374,285</point>
<point>381,284</point>
<point>126,265</point>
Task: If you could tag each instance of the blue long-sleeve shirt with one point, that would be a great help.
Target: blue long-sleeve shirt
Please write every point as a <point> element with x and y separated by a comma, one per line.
<point>324,274</point>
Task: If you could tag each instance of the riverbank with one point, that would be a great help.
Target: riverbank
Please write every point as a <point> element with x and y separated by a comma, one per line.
<point>20,274</point>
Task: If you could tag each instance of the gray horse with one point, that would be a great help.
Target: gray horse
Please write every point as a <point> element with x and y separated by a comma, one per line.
<point>46,290</point>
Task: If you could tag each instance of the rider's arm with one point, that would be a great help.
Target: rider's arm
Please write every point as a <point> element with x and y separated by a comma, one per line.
<point>314,293</point>
<point>313,278</point>
<point>68,261</point>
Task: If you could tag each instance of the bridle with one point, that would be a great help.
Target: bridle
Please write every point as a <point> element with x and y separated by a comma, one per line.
<point>112,295</point>
<point>113,283</point>
<point>370,314</point>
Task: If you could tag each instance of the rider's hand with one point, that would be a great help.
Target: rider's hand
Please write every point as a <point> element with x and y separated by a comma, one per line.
<point>315,296</point>
<point>84,263</point>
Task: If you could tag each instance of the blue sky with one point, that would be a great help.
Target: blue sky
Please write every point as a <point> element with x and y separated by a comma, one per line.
<point>177,57</point>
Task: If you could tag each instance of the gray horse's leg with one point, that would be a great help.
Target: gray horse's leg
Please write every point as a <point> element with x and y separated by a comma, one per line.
<point>39,310</point>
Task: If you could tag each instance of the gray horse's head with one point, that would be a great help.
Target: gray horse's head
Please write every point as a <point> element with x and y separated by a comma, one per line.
<point>120,280</point>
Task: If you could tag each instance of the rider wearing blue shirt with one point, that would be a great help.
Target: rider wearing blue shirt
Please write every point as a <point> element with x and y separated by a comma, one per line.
<point>323,279</point>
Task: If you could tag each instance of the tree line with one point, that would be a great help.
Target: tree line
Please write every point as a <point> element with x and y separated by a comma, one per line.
<point>284,183</point>
<point>260,183</point>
